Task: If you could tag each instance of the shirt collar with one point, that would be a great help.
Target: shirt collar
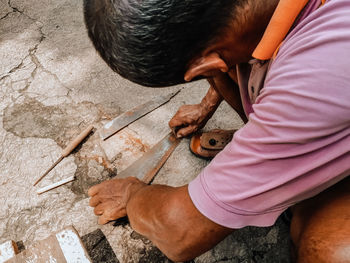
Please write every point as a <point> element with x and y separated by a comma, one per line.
<point>280,24</point>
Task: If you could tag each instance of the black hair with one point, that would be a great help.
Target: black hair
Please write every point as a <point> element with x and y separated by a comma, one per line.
<point>151,42</point>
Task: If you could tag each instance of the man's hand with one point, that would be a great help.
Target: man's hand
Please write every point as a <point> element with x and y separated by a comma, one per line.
<point>190,118</point>
<point>111,197</point>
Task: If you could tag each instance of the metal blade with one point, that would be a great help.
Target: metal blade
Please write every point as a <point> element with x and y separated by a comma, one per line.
<point>128,117</point>
<point>150,163</point>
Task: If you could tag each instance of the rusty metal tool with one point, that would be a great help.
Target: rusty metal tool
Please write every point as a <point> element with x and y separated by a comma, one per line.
<point>136,113</point>
<point>146,167</point>
<point>66,151</point>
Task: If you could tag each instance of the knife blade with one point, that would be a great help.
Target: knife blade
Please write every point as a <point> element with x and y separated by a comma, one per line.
<point>130,116</point>
<point>147,166</point>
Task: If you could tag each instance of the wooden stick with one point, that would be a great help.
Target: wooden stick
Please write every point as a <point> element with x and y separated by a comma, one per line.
<point>55,185</point>
<point>66,151</point>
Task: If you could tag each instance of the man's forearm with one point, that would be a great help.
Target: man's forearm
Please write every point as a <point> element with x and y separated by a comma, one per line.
<point>167,216</point>
<point>211,100</point>
<point>226,86</point>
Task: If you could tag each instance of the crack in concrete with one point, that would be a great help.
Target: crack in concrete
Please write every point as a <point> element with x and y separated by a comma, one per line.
<point>20,65</point>
<point>32,50</point>
<point>38,65</point>
<point>35,60</point>
<point>15,9</point>
<point>13,69</point>
<point>3,17</point>
<point>32,54</point>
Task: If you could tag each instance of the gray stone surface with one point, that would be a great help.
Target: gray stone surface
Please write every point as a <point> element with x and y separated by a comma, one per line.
<point>53,84</point>
<point>98,247</point>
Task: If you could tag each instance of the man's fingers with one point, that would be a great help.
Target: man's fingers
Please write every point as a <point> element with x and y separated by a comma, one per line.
<point>94,201</point>
<point>94,190</point>
<point>186,131</point>
<point>99,210</point>
<point>111,214</point>
<point>115,213</point>
<point>103,220</point>
<point>177,125</point>
<point>177,121</point>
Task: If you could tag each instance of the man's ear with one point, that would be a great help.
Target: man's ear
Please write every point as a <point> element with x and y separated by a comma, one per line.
<point>206,66</point>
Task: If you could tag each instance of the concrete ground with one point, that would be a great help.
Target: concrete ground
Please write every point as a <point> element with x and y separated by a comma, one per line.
<point>53,84</point>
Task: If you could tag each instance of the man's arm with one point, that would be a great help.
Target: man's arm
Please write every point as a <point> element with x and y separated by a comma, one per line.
<point>226,85</point>
<point>164,214</point>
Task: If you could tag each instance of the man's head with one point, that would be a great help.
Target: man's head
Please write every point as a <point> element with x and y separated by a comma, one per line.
<point>151,42</point>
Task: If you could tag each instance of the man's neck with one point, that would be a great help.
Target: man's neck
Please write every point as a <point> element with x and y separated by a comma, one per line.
<point>248,28</point>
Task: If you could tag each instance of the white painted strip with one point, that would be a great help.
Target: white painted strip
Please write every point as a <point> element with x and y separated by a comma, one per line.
<point>71,247</point>
<point>7,250</point>
<point>55,185</point>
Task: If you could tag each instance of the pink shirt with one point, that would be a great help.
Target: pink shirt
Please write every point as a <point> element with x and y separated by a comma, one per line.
<point>297,140</point>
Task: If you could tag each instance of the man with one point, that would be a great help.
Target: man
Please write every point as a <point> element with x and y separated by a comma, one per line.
<point>290,59</point>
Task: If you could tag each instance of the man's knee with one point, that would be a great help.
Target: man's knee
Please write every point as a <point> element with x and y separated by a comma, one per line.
<point>334,249</point>
<point>320,227</point>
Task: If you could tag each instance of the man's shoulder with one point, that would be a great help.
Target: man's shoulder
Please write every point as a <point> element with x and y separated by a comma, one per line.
<point>324,33</point>
<point>317,51</point>
<point>310,75</point>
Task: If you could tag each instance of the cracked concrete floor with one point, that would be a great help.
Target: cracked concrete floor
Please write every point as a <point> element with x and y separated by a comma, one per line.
<point>53,84</point>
